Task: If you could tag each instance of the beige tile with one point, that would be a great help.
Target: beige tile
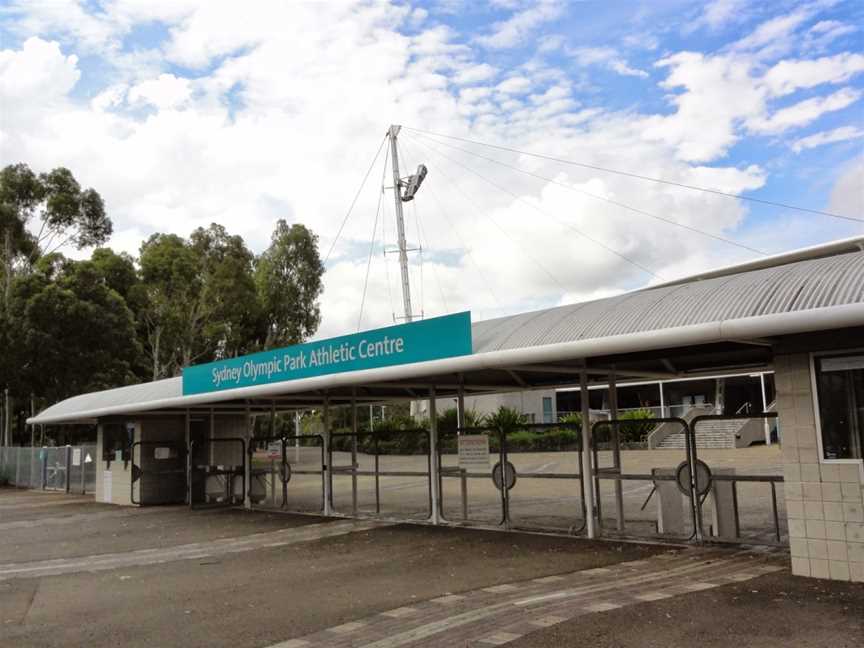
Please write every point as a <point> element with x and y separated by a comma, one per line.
<point>797,529</point>
<point>856,572</point>
<point>855,551</point>
<point>816,529</point>
<point>833,511</point>
<point>835,531</point>
<point>851,492</point>
<point>790,453</point>
<point>819,568</point>
<point>798,547</point>
<point>829,472</point>
<point>838,570</point>
<point>831,492</point>
<point>791,471</point>
<point>813,511</point>
<point>795,509</point>
<point>817,549</point>
<point>811,491</point>
<point>808,455</point>
<point>853,512</point>
<point>810,473</point>
<point>850,473</point>
<point>800,566</point>
<point>793,490</point>
<point>837,550</point>
<point>854,532</point>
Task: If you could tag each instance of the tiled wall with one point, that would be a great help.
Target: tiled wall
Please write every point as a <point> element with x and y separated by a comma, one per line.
<point>824,501</point>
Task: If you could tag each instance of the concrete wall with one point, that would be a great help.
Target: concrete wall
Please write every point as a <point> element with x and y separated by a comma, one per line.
<point>119,475</point>
<point>824,498</point>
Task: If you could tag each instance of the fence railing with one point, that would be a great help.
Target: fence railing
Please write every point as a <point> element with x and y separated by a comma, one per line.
<point>69,469</point>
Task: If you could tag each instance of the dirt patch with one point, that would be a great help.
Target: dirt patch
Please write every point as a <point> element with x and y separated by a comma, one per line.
<point>774,611</point>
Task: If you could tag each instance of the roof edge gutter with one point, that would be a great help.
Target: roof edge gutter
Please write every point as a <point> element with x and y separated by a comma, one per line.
<point>834,317</point>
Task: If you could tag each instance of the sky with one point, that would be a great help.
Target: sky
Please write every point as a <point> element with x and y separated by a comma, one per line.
<point>183,113</point>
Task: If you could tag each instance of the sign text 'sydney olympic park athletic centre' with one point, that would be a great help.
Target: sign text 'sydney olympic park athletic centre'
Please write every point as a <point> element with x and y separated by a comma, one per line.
<point>430,339</point>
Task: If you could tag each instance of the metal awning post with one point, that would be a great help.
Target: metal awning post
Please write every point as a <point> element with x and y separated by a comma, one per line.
<point>460,405</point>
<point>187,425</point>
<point>247,460</point>
<point>662,401</point>
<point>587,473</point>
<point>433,453</point>
<point>328,474</point>
<point>616,451</point>
<point>355,425</point>
<point>765,409</point>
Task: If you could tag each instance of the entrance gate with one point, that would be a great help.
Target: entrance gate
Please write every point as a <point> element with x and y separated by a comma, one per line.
<point>535,483</point>
<point>682,491</point>
<point>287,473</point>
<point>381,473</point>
<point>158,472</point>
<point>217,469</point>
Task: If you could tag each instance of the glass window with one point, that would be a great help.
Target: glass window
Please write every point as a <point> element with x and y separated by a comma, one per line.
<point>840,390</point>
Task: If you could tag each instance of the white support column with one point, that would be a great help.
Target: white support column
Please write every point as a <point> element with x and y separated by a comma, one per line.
<point>460,405</point>
<point>616,451</point>
<point>766,423</point>
<point>587,475</point>
<point>433,451</point>
<point>327,473</point>
<point>247,460</point>
<point>662,400</point>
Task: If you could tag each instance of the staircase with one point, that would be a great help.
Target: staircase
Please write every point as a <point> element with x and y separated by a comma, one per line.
<point>709,434</point>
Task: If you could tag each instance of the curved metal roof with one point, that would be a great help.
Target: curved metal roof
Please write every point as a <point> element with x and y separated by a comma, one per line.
<point>784,290</point>
<point>814,283</point>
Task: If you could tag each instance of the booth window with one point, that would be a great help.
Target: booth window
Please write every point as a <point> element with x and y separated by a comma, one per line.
<point>840,390</point>
<point>117,436</point>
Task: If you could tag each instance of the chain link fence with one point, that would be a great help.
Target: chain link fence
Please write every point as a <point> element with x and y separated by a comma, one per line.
<point>70,469</point>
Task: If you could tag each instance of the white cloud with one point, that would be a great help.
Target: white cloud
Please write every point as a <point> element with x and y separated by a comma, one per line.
<point>719,13</point>
<point>167,91</point>
<point>274,127</point>
<point>790,75</point>
<point>804,112</point>
<point>842,134</point>
<point>824,32</point>
<point>606,57</point>
<point>521,25</point>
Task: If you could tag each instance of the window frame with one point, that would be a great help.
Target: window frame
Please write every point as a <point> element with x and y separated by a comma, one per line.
<point>817,416</point>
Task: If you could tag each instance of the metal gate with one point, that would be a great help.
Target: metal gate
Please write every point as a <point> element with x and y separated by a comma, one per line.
<point>158,472</point>
<point>742,504</point>
<point>678,491</point>
<point>217,469</point>
<point>287,473</point>
<point>381,473</point>
<point>534,484</point>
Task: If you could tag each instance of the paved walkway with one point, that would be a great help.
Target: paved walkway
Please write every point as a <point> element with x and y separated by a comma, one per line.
<point>497,615</point>
<point>101,562</point>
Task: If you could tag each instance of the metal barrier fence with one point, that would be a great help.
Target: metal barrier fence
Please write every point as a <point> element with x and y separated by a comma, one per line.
<point>381,473</point>
<point>69,469</point>
<point>287,473</point>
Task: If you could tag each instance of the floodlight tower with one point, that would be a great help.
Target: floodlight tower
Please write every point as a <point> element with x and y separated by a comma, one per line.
<point>410,186</point>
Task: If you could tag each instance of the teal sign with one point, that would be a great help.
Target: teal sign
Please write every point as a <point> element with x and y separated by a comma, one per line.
<point>429,339</point>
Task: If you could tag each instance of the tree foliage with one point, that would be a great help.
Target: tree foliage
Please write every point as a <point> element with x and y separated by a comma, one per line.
<point>288,280</point>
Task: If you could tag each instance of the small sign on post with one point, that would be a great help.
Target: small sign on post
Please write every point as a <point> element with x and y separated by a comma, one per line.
<point>76,456</point>
<point>474,452</point>
<point>274,450</point>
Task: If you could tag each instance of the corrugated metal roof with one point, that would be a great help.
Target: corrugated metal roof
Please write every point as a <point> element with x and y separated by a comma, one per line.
<point>815,283</point>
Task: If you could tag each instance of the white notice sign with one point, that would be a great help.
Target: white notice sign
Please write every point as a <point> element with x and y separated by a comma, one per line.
<point>76,456</point>
<point>163,453</point>
<point>474,452</point>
